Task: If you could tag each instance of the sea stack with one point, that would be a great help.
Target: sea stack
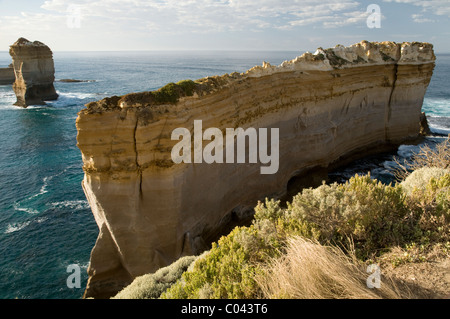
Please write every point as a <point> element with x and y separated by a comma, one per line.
<point>329,107</point>
<point>34,72</point>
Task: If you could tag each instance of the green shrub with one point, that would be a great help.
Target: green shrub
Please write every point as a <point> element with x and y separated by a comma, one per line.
<point>229,268</point>
<point>365,214</point>
<point>420,178</point>
<point>430,202</point>
<point>171,92</point>
<point>188,87</point>
<point>151,286</point>
<point>362,215</point>
<point>167,94</point>
<point>362,212</point>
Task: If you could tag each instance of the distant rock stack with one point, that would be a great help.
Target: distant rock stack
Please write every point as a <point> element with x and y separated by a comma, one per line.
<point>424,127</point>
<point>34,71</point>
<point>7,75</point>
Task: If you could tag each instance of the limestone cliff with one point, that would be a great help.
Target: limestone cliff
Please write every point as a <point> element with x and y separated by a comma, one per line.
<point>328,106</point>
<point>34,72</point>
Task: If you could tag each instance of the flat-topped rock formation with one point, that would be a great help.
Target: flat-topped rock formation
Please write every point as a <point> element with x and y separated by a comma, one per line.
<point>327,106</point>
<point>34,72</point>
<point>7,75</point>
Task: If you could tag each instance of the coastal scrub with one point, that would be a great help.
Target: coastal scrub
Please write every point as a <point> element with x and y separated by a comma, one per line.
<point>362,216</point>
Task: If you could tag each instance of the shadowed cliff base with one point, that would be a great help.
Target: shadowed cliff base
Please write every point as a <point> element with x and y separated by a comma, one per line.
<point>329,106</point>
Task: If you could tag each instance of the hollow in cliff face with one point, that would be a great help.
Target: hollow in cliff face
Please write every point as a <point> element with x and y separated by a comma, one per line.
<point>34,72</point>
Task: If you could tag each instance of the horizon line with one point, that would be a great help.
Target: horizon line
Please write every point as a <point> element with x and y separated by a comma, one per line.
<point>181,50</point>
<point>189,50</point>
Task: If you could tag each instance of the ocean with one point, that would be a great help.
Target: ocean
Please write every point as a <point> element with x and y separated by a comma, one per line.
<point>45,221</point>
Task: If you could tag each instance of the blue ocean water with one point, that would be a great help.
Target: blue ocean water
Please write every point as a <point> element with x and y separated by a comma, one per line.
<point>436,103</point>
<point>45,221</point>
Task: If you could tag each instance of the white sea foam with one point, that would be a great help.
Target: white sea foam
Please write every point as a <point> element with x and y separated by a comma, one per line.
<point>16,227</point>
<point>43,189</point>
<point>7,96</point>
<point>22,204</point>
<point>72,204</point>
<point>73,99</point>
<point>437,129</point>
<point>27,210</point>
<point>77,95</point>
<point>8,107</point>
<point>439,124</point>
<point>44,186</point>
<point>41,220</point>
<point>7,100</point>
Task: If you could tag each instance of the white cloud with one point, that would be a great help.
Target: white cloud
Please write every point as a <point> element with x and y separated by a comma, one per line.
<point>217,15</point>
<point>110,20</point>
<point>130,24</point>
<point>438,7</point>
<point>349,18</point>
<point>418,18</point>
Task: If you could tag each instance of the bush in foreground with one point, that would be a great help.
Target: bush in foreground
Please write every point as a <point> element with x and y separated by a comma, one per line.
<point>152,285</point>
<point>362,215</point>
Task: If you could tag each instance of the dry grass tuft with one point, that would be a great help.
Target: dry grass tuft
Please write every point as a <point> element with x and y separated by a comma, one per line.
<point>309,270</point>
<point>426,157</point>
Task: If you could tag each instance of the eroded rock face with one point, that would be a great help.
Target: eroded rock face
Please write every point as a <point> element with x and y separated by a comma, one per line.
<point>327,106</point>
<point>34,72</point>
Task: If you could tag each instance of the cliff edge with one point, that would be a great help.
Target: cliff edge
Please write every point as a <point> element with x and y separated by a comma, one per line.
<point>326,106</point>
<point>34,72</point>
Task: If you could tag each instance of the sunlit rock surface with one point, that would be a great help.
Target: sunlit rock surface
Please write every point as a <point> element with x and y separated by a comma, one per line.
<point>329,106</point>
<point>34,72</point>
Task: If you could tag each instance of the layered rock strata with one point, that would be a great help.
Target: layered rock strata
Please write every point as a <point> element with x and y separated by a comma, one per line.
<point>327,105</point>
<point>34,73</point>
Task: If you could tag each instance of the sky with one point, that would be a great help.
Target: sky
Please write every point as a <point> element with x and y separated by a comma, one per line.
<point>287,25</point>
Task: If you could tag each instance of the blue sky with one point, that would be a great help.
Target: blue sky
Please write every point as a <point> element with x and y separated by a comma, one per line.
<point>98,25</point>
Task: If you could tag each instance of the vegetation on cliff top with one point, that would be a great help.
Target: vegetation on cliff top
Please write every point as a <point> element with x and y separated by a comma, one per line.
<point>322,239</point>
<point>168,94</point>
